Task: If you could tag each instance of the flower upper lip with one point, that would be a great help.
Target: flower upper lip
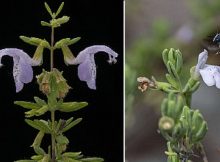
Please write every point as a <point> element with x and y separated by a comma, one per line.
<point>210,73</point>
<point>86,61</point>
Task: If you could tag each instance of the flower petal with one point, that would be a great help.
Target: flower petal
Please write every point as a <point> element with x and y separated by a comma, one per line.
<point>207,74</point>
<point>217,78</point>
<point>22,70</point>
<point>87,73</point>
<point>203,56</point>
<point>87,67</point>
<point>26,72</point>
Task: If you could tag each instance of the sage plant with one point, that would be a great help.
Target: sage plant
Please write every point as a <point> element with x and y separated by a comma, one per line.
<point>183,127</point>
<point>55,88</point>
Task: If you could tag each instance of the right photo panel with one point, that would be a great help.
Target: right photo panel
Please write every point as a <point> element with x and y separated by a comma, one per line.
<point>172,81</point>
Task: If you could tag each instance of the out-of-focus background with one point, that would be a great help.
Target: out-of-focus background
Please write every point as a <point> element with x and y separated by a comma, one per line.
<point>151,26</point>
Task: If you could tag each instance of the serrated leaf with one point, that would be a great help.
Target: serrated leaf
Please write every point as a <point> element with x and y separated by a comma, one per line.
<point>60,9</point>
<point>27,105</point>
<point>72,124</point>
<point>40,125</point>
<point>72,106</point>
<point>39,101</point>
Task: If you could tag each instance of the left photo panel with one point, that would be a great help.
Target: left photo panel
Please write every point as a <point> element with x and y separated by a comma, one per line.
<point>61,92</point>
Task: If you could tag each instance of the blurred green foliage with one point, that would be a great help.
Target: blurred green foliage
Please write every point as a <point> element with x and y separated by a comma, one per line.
<point>143,57</point>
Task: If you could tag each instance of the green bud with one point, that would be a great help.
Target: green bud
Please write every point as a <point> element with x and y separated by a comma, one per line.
<point>166,123</point>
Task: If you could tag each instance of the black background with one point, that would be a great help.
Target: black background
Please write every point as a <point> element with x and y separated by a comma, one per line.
<point>97,22</point>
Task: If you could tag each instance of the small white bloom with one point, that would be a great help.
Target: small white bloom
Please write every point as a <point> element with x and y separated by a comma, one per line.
<point>210,73</point>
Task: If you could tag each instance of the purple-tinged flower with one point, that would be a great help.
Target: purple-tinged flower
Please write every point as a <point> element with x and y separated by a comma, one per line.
<point>22,70</point>
<point>86,61</point>
<point>210,73</point>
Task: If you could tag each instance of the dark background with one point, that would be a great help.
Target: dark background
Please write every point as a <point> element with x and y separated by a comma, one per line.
<point>97,22</point>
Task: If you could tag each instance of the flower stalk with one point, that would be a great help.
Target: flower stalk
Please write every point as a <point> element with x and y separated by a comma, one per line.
<point>183,127</point>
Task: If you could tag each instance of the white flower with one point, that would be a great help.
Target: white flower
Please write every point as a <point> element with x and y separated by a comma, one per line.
<point>210,73</point>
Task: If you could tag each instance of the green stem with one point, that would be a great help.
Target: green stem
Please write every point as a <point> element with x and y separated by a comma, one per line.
<point>52,49</point>
<point>53,135</point>
<point>53,157</point>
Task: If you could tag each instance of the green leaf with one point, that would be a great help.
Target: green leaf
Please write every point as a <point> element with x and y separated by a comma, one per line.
<point>72,106</point>
<point>58,22</point>
<point>27,105</point>
<point>171,69</point>
<point>26,161</point>
<point>39,101</point>
<point>179,61</point>
<point>72,124</point>
<point>35,41</point>
<point>62,140</point>
<point>172,80</point>
<point>37,157</point>
<point>92,159</point>
<point>59,9</point>
<point>66,41</point>
<point>44,23</point>
<point>165,56</point>
<point>42,110</point>
<point>72,154</point>
<point>74,40</point>
<point>40,125</point>
<point>48,9</point>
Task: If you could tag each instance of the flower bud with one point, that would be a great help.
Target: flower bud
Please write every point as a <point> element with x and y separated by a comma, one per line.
<point>166,123</point>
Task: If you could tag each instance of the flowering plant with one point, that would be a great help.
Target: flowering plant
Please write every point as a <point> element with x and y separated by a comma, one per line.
<point>54,86</point>
<point>182,127</point>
